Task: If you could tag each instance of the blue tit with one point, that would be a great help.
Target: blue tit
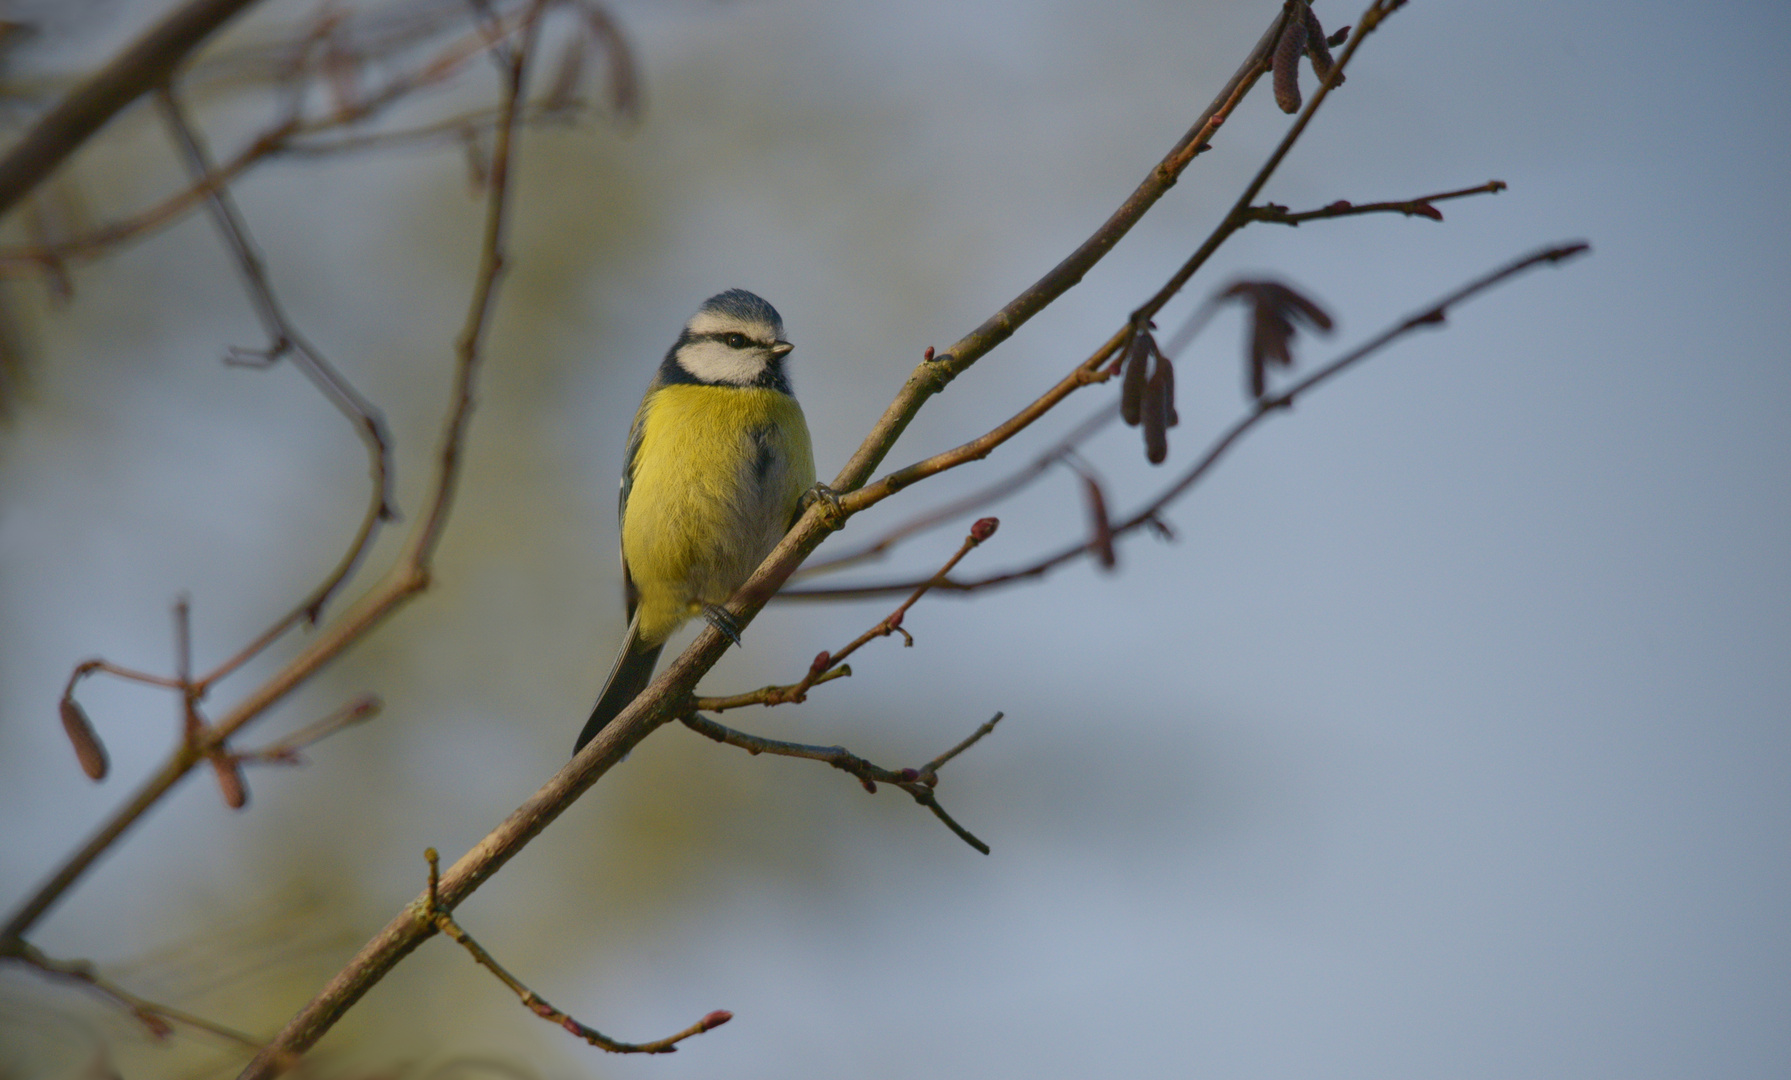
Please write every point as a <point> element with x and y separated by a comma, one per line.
<point>717,467</point>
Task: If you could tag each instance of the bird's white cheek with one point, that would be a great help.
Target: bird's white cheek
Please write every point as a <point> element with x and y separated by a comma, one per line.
<point>713,362</point>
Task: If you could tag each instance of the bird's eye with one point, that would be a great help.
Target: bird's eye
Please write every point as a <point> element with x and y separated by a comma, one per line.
<point>735,341</point>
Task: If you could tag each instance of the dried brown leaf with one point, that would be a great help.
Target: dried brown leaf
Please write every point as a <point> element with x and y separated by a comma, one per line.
<point>1100,524</point>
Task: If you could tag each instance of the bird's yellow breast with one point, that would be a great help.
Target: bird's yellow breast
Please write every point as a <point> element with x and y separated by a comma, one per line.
<point>715,482</point>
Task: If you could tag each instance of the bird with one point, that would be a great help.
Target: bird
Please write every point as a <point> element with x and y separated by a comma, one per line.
<point>718,466</point>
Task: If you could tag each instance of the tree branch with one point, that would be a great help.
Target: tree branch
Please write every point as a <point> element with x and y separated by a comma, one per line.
<point>146,63</point>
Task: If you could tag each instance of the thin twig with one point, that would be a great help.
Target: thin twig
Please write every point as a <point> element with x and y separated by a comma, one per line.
<point>1419,207</point>
<point>539,1005</point>
<point>290,750</point>
<point>769,695</point>
<point>153,1015</point>
<point>284,339</point>
<point>918,783</point>
<point>89,667</point>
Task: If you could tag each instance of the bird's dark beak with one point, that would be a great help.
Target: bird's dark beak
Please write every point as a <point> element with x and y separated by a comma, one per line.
<point>781,349</point>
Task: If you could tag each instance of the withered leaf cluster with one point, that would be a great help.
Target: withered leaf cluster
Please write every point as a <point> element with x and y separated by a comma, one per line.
<point>1274,311</point>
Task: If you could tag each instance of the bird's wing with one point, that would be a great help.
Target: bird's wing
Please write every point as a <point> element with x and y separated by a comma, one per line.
<point>630,594</point>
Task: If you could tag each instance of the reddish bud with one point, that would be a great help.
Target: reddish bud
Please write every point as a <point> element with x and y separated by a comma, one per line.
<point>1338,38</point>
<point>88,749</point>
<point>869,784</point>
<point>1424,209</point>
<point>157,1026</point>
<point>910,775</point>
<point>928,355</point>
<point>1341,204</point>
<point>895,619</point>
<point>984,528</point>
<point>716,1019</point>
<point>823,660</point>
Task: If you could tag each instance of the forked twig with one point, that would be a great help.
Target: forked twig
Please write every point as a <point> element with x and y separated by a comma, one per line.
<point>535,1003</point>
<point>918,783</point>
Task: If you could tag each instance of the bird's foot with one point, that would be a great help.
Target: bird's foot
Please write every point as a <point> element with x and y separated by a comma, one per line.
<point>723,620</point>
<point>828,498</point>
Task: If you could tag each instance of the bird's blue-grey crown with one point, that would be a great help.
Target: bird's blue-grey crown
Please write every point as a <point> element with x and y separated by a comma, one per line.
<point>743,305</point>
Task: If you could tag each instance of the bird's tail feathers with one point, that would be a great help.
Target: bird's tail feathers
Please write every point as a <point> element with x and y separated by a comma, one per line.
<point>630,675</point>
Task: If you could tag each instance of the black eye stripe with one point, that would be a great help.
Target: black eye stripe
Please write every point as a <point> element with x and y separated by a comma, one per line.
<point>733,339</point>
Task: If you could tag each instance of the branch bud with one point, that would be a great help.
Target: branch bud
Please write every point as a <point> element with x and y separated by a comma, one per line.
<point>715,1019</point>
<point>823,660</point>
<point>88,749</point>
<point>984,528</point>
